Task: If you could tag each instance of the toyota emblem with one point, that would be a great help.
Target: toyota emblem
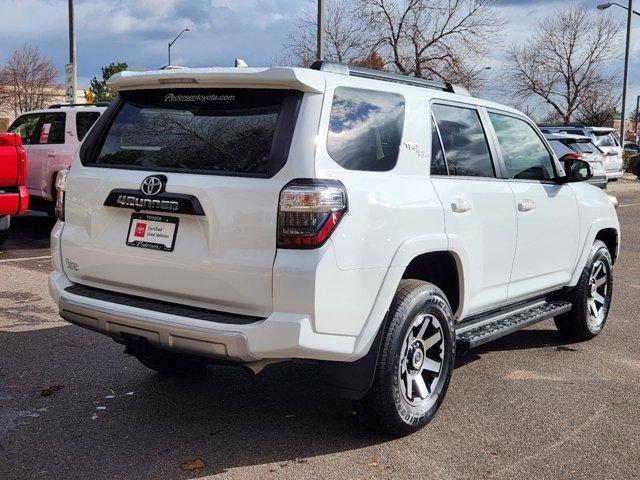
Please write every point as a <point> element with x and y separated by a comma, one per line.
<point>153,185</point>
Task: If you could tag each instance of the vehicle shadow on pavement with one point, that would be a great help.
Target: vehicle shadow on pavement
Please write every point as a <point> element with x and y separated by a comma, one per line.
<point>30,232</point>
<point>520,340</point>
<point>107,416</point>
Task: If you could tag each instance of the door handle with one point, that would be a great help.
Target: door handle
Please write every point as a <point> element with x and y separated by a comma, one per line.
<point>51,154</point>
<point>526,205</point>
<point>460,206</point>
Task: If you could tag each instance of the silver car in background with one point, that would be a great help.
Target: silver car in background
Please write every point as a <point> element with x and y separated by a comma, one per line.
<point>605,138</point>
<point>583,148</point>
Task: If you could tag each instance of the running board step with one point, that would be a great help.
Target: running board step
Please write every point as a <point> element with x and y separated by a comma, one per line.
<point>504,323</point>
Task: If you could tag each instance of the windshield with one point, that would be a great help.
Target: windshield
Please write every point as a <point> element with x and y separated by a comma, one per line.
<point>205,130</point>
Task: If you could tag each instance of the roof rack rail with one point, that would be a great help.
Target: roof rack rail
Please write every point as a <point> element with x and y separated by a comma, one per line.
<point>559,125</point>
<point>60,105</point>
<point>343,69</point>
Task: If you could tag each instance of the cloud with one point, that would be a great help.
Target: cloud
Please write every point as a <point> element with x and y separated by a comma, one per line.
<point>138,31</point>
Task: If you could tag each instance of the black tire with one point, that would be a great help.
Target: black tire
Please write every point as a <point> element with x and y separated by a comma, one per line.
<point>172,365</point>
<point>4,234</point>
<point>580,323</point>
<point>386,406</point>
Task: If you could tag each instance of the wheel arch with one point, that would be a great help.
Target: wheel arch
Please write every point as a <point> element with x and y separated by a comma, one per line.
<point>609,236</point>
<point>606,230</point>
<point>352,379</point>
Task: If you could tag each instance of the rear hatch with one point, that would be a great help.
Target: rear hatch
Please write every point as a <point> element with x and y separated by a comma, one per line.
<point>607,142</point>
<point>176,194</point>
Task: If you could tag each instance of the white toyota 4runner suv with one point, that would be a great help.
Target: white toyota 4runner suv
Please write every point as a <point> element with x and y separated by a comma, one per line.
<point>365,221</point>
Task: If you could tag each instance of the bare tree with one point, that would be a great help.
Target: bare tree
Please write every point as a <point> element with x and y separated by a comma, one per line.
<point>437,39</point>
<point>597,108</point>
<point>28,80</point>
<point>563,63</point>
<point>346,39</point>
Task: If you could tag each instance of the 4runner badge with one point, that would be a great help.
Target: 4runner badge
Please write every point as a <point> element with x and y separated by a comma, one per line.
<point>152,196</point>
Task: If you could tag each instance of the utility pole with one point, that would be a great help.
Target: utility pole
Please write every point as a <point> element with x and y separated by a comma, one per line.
<point>71,70</point>
<point>320,40</point>
<point>626,73</point>
<point>637,118</point>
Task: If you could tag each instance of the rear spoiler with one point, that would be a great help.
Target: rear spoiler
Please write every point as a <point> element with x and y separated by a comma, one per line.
<point>301,79</point>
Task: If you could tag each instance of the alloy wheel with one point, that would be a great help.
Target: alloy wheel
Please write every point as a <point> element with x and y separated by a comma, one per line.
<point>597,294</point>
<point>421,360</point>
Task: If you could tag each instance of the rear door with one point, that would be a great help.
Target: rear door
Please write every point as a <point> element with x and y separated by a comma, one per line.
<point>47,148</point>
<point>177,196</point>
<point>547,212</point>
<point>480,219</point>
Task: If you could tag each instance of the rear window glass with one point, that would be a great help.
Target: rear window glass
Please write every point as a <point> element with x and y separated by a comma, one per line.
<point>604,139</point>
<point>560,148</point>
<point>52,128</point>
<point>227,131</point>
<point>585,147</point>
<point>84,121</point>
<point>365,129</point>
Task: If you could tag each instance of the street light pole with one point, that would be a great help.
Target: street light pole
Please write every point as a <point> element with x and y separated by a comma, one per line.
<point>71,96</point>
<point>320,38</point>
<point>626,74</point>
<point>630,11</point>
<point>637,118</point>
<point>172,42</point>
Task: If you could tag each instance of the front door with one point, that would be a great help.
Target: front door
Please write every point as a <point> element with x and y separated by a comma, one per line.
<point>547,212</point>
<point>26,126</point>
<point>479,216</point>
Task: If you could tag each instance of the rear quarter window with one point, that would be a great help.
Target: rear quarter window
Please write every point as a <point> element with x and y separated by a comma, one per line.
<point>365,129</point>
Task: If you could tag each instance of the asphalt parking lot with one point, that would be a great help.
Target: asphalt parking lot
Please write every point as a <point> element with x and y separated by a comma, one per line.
<point>73,406</point>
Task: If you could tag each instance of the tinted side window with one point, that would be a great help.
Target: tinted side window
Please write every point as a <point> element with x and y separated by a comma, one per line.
<point>84,121</point>
<point>52,129</point>
<point>25,126</point>
<point>525,155</point>
<point>365,129</point>
<point>438,165</point>
<point>464,141</point>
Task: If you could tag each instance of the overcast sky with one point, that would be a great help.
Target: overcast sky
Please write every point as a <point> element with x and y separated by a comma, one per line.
<point>137,31</point>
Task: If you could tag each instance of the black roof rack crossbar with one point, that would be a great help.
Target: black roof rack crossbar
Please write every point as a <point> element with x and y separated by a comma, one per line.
<point>341,68</point>
<point>98,104</point>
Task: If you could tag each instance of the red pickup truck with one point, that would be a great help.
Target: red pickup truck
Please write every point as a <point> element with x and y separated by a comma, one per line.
<point>14,198</point>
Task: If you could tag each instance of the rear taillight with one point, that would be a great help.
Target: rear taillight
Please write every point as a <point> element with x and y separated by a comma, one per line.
<point>22,166</point>
<point>573,156</point>
<point>61,188</point>
<point>309,211</point>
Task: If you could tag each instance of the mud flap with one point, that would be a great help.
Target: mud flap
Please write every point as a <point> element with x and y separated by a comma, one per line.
<point>352,380</point>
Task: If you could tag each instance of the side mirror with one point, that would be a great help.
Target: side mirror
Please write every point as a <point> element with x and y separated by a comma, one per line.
<point>577,170</point>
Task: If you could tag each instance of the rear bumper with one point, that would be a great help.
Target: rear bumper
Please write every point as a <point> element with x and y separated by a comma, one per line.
<point>14,202</point>
<point>279,336</point>
<point>600,181</point>
<point>614,174</point>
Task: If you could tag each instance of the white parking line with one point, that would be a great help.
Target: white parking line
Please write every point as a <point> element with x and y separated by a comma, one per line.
<point>26,259</point>
<point>630,205</point>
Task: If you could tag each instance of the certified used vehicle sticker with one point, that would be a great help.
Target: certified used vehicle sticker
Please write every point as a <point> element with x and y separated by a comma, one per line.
<point>156,232</point>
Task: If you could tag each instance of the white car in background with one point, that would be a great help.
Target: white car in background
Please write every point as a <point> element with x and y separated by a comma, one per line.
<point>604,137</point>
<point>568,146</point>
